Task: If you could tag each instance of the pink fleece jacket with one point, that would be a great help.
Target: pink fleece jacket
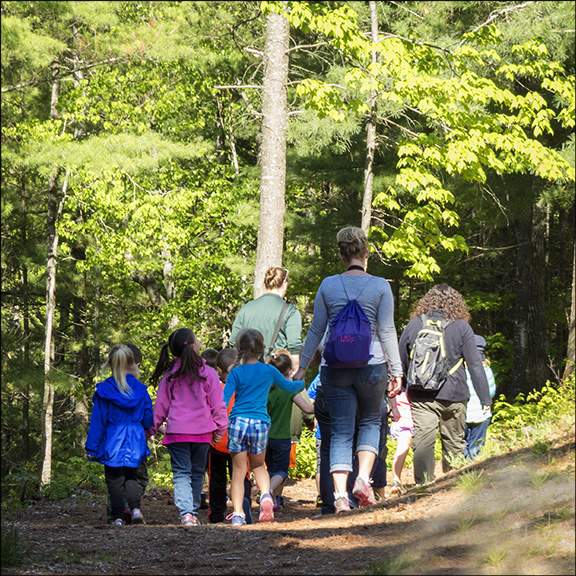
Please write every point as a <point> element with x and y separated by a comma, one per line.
<point>190,406</point>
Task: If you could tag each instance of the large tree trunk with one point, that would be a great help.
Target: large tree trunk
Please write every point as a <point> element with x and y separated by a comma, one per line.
<point>25,328</point>
<point>370,134</point>
<point>273,149</point>
<point>52,245</point>
<point>530,363</point>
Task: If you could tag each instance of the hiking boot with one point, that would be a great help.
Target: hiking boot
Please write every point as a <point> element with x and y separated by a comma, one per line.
<point>237,519</point>
<point>118,522</point>
<point>363,493</point>
<point>189,520</point>
<point>137,517</point>
<point>127,516</point>
<point>341,505</point>
<point>266,508</point>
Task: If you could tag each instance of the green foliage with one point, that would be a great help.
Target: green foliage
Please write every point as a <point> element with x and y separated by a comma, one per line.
<point>470,481</point>
<point>161,474</point>
<point>305,456</point>
<point>14,551</point>
<point>156,168</point>
<point>534,416</point>
<point>390,567</point>
<point>472,124</point>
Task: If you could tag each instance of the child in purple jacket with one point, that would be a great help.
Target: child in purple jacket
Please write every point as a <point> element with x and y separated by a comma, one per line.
<point>189,400</point>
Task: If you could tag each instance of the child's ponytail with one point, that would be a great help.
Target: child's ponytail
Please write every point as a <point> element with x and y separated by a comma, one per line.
<point>181,345</point>
<point>250,345</point>
<point>120,359</point>
<point>282,361</point>
<point>161,366</point>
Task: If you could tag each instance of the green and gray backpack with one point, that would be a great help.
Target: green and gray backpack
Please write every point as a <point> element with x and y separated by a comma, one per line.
<point>428,368</point>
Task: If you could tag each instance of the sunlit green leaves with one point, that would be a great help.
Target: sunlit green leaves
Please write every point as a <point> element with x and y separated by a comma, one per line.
<point>473,124</point>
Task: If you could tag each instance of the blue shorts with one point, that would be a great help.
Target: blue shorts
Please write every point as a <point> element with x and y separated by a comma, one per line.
<point>247,435</point>
<point>278,456</point>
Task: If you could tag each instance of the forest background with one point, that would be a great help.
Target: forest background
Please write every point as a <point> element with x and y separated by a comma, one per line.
<point>157,156</point>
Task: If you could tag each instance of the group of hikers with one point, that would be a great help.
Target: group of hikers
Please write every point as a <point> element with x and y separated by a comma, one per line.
<point>227,413</point>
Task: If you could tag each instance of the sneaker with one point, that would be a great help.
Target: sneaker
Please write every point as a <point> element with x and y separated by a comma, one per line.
<point>247,509</point>
<point>118,522</point>
<point>341,505</point>
<point>137,517</point>
<point>266,508</point>
<point>127,516</point>
<point>279,504</point>
<point>318,502</point>
<point>362,492</point>
<point>396,489</point>
<point>189,520</point>
<point>237,519</point>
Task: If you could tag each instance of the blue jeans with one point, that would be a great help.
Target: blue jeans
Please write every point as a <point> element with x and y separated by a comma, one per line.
<point>380,468</point>
<point>188,466</point>
<point>354,398</point>
<point>475,436</point>
<point>322,414</point>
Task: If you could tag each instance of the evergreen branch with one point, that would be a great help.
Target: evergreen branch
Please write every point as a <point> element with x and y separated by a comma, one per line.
<point>495,15</point>
<point>49,79</point>
<point>407,10</point>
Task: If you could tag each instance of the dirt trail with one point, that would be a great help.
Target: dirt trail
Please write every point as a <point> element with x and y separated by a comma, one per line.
<point>514,516</point>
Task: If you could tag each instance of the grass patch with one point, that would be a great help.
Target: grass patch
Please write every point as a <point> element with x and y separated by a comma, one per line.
<point>464,524</point>
<point>389,567</point>
<point>495,557</point>
<point>13,549</point>
<point>470,481</point>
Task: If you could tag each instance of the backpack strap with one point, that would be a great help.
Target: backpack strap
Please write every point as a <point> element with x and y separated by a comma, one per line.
<point>346,291</point>
<point>277,329</point>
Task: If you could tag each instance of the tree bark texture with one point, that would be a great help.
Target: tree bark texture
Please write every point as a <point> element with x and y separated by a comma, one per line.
<point>48,398</point>
<point>530,363</point>
<point>273,149</point>
<point>370,135</point>
<point>52,245</point>
<point>571,355</point>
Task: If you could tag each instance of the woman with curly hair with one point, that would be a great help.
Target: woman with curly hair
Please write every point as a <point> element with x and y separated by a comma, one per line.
<point>443,409</point>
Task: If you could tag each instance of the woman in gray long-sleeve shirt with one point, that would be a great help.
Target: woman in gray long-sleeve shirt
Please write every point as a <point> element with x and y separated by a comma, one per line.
<point>355,395</point>
<point>444,409</point>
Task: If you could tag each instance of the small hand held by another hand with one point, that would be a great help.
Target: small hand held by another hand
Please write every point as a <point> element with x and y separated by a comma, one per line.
<point>216,437</point>
<point>299,374</point>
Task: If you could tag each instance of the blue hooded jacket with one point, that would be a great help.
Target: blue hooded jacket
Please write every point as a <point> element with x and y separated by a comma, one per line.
<point>118,422</point>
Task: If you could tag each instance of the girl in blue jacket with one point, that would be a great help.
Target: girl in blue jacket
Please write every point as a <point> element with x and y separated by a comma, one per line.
<point>121,413</point>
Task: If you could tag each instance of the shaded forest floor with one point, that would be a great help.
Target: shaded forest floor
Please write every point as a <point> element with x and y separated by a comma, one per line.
<point>511,514</point>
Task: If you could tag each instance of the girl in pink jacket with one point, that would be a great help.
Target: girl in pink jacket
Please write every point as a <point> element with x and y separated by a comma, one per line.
<point>189,401</point>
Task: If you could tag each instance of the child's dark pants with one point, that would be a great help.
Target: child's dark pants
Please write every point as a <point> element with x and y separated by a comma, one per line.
<point>122,481</point>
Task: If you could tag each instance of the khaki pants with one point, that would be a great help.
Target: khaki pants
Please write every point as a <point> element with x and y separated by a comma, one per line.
<point>428,417</point>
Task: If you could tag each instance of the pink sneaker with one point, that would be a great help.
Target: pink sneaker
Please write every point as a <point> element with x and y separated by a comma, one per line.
<point>362,492</point>
<point>266,508</point>
<point>341,505</point>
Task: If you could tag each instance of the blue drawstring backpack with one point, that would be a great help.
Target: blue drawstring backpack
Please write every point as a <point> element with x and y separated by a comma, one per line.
<point>348,345</point>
